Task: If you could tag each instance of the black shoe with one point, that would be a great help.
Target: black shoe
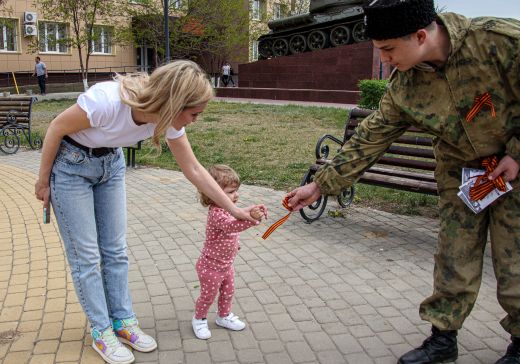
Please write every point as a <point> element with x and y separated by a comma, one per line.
<point>512,354</point>
<point>440,347</point>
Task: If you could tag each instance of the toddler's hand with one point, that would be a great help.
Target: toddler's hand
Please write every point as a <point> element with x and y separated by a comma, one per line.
<point>258,212</point>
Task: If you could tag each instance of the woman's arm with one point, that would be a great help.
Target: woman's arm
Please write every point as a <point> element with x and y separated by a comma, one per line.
<point>69,121</point>
<point>199,176</point>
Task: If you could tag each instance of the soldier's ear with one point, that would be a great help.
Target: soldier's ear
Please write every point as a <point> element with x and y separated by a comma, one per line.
<point>421,36</point>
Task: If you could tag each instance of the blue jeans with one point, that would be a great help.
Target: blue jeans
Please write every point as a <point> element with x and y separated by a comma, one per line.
<point>89,200</point>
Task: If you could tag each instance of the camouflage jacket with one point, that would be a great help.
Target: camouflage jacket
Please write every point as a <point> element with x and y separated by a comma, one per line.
<point>485,57</point>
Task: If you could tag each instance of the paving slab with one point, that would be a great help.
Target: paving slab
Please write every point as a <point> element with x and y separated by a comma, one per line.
<point>340,290</point>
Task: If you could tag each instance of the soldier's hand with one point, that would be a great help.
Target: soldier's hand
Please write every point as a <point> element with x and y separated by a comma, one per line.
<point>303,196</point>
<point>507,167</point>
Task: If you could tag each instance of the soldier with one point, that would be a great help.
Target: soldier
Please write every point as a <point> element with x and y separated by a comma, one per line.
<point>458,79</point>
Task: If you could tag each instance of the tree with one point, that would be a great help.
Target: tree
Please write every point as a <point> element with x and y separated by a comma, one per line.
<point>82,16</point>
<point>215,30</point>
<point>206,31</point>
<point>147,27</point>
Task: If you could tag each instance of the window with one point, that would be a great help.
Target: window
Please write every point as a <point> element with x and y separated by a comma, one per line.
<point>254,50</point>
<point>176,4</point>
<point>102,39</point>
<point>53,37</point>
<point>277,11</point>
<point>255,10</point>
<point>8,33</point>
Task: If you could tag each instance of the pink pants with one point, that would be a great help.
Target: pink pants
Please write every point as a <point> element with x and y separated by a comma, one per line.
<point>211,283</point>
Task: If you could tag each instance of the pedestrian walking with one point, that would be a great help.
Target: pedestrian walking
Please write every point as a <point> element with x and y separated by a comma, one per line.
<point>40,71</point>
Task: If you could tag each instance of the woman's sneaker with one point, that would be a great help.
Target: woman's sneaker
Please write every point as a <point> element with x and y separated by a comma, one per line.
<point>110,349</point>
<point>200,328</point>
<point>128,332</point>
<point>231,322</point>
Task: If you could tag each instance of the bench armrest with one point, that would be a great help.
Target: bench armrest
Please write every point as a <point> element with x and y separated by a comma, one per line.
<point>323,149</point>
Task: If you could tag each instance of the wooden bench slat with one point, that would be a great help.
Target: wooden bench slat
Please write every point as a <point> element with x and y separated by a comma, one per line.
<point>411,152</point>
<point>14,105</point>
<point>401,183</point>
<point>18,120</point>
<point>407,163</point>
<point>422,176</point>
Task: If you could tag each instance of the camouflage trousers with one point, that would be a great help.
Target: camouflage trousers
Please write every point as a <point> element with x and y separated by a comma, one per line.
<point>460,252</point>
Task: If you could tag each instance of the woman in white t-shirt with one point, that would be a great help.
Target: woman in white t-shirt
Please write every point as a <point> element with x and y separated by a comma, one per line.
<point>82,173</point>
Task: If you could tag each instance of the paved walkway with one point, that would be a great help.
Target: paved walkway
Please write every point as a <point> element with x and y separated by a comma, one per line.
<point>337,291</point>
<point>73,95</point>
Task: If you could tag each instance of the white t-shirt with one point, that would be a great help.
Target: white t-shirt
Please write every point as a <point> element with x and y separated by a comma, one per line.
<point>226,70</point>
<point>111,120</point>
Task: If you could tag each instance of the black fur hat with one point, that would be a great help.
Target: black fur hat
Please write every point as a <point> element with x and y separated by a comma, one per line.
<point>388,19</point>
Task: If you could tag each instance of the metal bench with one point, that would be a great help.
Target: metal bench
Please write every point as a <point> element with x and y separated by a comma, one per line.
<point>15,120</point>
<point>408,165</point>
<point>130,154</point>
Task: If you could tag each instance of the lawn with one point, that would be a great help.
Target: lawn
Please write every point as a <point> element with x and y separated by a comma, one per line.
<point>268,145</point>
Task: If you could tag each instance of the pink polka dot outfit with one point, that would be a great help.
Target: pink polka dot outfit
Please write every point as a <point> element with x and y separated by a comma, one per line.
<point>215,265</point>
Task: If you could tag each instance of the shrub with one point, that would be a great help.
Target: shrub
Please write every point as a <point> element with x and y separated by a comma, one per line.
<point>371,93</point>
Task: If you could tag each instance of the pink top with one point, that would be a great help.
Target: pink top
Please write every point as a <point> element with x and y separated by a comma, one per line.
<point>221,244</point>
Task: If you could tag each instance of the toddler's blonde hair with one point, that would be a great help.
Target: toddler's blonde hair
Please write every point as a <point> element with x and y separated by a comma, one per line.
<point>166,92</point>
<point>225,177</point>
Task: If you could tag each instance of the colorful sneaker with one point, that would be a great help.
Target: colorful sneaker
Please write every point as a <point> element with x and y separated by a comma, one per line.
<point>129,333</point>
<point>110,349</point>
<point>230,322</point>
<point>200,328</point>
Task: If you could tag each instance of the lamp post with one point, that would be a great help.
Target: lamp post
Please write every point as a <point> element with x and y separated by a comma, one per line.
<point>166,32</point>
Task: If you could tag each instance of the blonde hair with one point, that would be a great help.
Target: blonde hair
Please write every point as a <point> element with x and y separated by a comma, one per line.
<point>225,176</point>
<point>166,92</point>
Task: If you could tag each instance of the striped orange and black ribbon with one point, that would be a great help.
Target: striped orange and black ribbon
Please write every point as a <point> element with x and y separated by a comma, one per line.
<point>480,102</point>
<point>273,227</point>
<point>483,185</point>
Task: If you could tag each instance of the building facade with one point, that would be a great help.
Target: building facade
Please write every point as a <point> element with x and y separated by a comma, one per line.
<point>25,34</point>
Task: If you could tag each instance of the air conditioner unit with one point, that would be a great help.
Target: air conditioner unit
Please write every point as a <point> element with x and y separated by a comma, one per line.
<point>30,30</point>
<point>30,17</point>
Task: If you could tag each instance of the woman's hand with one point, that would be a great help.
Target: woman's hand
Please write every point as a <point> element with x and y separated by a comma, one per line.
<point>245,213</point>
<point>42,192</point>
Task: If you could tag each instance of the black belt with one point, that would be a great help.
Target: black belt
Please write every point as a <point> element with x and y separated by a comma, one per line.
<point>96,152</point>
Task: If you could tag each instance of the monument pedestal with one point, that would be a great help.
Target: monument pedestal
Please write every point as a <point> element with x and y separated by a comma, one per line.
<point>328,75</point>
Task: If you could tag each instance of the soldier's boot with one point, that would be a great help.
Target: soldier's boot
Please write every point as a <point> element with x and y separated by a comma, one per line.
<point>512,354</point>
<point>439,347</point>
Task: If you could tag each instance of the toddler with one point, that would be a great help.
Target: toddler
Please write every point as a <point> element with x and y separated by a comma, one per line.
<point>215,265</point>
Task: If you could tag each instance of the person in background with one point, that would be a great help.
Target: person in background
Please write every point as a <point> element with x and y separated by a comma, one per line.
<point>40,70</point>
<point>226,73</point>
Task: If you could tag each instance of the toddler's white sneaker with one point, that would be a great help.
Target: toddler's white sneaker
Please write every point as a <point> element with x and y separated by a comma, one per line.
<point>200,328</point>
<point>231,322</point>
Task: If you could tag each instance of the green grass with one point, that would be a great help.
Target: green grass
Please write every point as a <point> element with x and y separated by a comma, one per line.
<point>267,145</point>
